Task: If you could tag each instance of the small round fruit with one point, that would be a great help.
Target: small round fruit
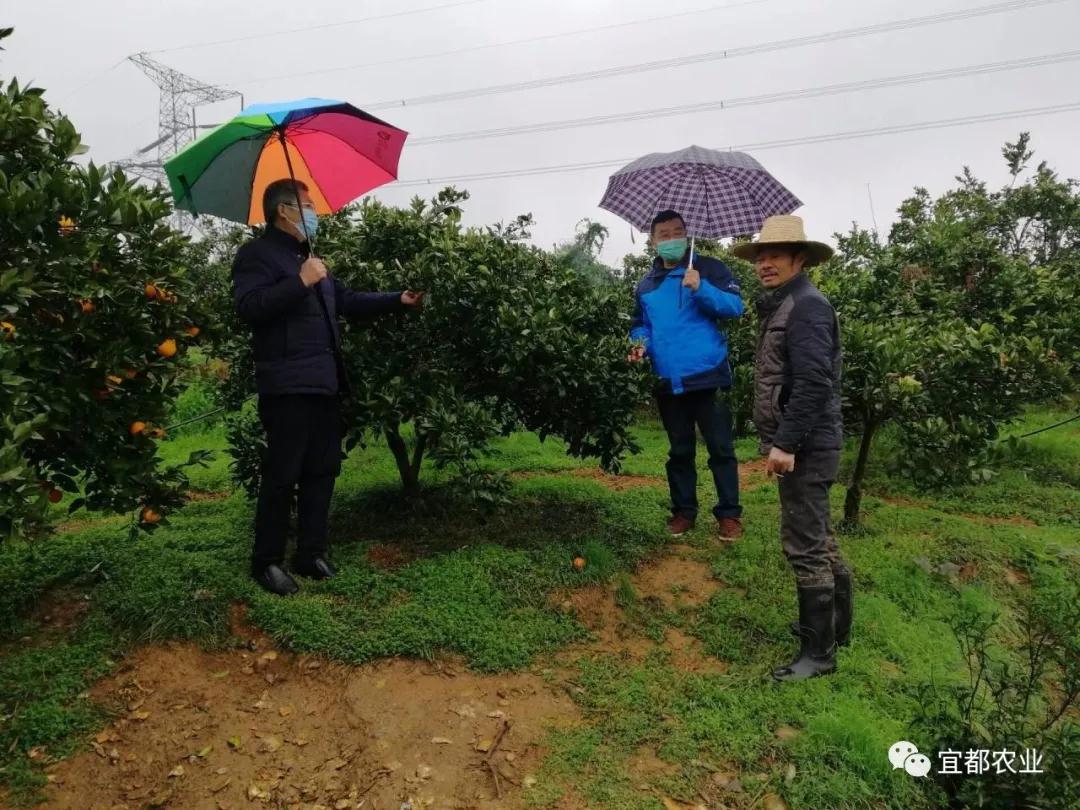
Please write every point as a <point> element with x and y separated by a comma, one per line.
<point>55,495</point>
<point>167,347</point>
<point>130,373</point>
<point>150,515</point>
<point>7,330</point>
<point>87,306</point>
<point>136,428</point>
<point>192,331</point>
<point>151,291</point>
<point>579,563</point>
<point>156,433</point>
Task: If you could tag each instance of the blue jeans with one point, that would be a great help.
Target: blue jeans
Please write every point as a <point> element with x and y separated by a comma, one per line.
<point>682,416</point>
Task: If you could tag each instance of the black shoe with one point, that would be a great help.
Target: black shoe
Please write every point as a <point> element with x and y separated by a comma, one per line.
<point>842,608</point>
<point>273,579</point>
<point>313,567</point>
<point>842,600</point>
<point>817,652</point>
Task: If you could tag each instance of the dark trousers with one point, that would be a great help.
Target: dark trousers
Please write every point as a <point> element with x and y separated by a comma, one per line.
<point>806,531</point>
<point>303,433</point>
<point>681,414</point>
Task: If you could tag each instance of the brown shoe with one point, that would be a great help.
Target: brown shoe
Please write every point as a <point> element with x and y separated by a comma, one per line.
<point>730,528</point>
<point>679,525</point>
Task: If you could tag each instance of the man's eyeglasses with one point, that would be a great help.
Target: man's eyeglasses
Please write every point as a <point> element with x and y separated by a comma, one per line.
<point>310,208</point>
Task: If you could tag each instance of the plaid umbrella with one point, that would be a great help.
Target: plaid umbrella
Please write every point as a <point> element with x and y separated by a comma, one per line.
<point>717,193</point>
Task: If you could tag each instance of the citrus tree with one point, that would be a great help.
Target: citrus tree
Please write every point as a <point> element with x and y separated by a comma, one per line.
<point>95,316</point>
<point>508,338</point>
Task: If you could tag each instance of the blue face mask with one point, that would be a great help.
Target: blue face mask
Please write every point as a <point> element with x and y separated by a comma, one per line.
<point>672,250</point>
<point>311,223</point>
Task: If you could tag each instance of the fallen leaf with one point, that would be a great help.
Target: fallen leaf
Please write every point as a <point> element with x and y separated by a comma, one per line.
<point>220,787</point>
<point>285,711</point>
<point>203,752</point>
<point>790,772</point>
<point>343,804</point>
<point>423,771</point>
<point>139,716</point>
<point>336,764</point>
<point>176,772</point>
<point>773,802</point>
<point>135,705</point>
<point>269,744</point>
<point>299,742</point>
<point>497,715</point>
<point>441,741</point>
<point>98,749</point>
<point>106,736</point>
<point>221,771</point>
<point>268,656</point>
<point>484,746</point>
<point>257,791</point>
<point>529,782</point>
<point>223,674</point>
<point>235,742</point>
<point>114,755</point>
<point>787,733</point>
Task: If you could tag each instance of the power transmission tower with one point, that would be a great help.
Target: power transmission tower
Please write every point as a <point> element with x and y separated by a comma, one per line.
<point>180,96</point>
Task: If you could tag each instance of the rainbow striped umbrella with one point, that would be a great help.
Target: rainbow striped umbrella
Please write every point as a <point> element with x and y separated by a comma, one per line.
<point>337,150</point>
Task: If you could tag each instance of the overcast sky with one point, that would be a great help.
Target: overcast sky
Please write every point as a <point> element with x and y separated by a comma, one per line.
<point>76,51</point>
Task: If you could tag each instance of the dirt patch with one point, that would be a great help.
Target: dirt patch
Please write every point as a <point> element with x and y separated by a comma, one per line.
<point>677,581</point>
<point>752,475</point>
<point>616,483</point>
<point>1016,577</point>
<point>986,520</point>
<point>612,633</point>
<point>387,557</point>
<point>258,727</point>
<point>687,654</point>
<point>199,495</point>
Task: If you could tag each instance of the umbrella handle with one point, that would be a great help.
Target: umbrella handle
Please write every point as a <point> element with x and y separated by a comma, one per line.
<point>690,261</point>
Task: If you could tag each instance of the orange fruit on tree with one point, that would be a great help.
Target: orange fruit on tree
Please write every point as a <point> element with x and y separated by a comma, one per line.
<point>167,347</point>
<point>130,373</point>
<point>150,515</point>
<point>156,433</point>
<point>151,291</point>
<point>112,378</point>
<point>55,495</point>
<point>135,428</point>
<point>579,563</point>
<point>87,306</point>
<point>192,331</point>
<point>7,329</point>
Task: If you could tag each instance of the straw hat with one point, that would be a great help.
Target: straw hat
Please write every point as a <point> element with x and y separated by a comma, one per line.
<point>785,230</point>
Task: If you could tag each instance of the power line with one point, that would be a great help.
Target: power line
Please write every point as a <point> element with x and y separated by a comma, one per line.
<point>729,53</point>
<point>848,135</point>
<point>321,26</point>
<point>504,44</point>
<point>766,98</point>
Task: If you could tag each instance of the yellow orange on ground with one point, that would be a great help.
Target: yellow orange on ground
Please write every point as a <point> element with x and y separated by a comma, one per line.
<point>579,563</point>
<point>150,515</point>
<point>167,347</point>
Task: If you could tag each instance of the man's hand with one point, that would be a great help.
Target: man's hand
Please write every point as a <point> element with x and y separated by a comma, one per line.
<point>312,272</point>
<point>692,279</point>
<point>780,463</point>
<point>412,299</point>
<point>637,354</point>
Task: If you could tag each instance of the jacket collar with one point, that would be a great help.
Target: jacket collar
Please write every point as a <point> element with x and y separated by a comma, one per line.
<point>658,268</point>
<point>767,301</point>
<point>277,236</point>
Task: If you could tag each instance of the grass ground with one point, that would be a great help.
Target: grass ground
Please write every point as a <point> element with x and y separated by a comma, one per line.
<point>497,591</point>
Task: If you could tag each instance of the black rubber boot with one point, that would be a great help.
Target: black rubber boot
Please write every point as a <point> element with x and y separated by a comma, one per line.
<point>841,610</point>
<point>817,651</point>
<point>842,607</point>
<point>273,579</point>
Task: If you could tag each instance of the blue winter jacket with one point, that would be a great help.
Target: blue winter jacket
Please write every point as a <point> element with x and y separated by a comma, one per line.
<point>689,352</point>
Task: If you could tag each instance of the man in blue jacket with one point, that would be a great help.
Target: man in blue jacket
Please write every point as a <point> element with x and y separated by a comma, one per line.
<point>292,305</point>
<point>677,306</point>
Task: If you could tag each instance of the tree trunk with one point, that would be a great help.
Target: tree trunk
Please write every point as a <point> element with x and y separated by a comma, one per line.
<point>409,471</point>
<point>853,500</point>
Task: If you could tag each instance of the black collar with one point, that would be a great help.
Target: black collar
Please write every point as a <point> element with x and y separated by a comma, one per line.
<point>277,236</point>
<point>768,300</point>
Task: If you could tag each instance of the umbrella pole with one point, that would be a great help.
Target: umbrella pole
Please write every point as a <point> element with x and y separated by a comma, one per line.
<point>690,262</point>
<point>299,203</point>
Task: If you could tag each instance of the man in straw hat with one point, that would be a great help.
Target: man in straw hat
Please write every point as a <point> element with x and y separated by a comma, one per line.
<point>797,414</point>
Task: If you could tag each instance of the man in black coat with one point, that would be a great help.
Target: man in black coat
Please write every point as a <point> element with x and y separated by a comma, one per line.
<point>292,305</point>
<point>798,418</point>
